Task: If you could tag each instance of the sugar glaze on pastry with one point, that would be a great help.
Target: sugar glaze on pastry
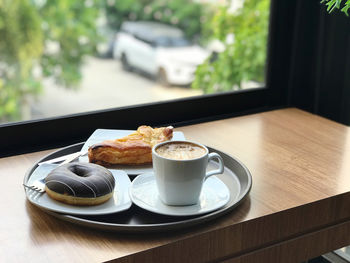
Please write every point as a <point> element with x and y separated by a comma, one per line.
<point>136,148</point>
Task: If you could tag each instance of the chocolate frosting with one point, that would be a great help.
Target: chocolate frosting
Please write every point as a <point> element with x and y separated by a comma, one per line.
<point>81,180</point>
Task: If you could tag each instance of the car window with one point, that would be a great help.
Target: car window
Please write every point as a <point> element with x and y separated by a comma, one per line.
<point>171,42</point>
<point>163,42</point>
<point>180,42</point>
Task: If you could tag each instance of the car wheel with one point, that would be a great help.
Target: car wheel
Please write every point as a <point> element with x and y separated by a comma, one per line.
<point>125,64</point>
<point>163,78</point>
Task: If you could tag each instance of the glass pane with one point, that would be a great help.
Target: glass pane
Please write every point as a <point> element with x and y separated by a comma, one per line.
<point>60,57</point>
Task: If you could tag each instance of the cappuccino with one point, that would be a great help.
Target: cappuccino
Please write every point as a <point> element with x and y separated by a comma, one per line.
<point>181,151</point>
<point>180,169</point>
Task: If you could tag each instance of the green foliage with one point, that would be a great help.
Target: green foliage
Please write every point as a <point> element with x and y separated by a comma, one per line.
<point>242,60</point>
<point>336,4</point>
<point>29,30</point>
<point>20,48</point>
<point>70,27</point>
<point>185,14</point>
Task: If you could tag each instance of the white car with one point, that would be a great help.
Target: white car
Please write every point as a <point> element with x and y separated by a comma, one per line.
<point>160,50</point>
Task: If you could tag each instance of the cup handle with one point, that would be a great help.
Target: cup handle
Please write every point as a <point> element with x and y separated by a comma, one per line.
<point>220,170</point>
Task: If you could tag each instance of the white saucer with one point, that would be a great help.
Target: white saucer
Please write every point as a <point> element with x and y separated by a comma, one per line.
<point>119,202</point>
<point>144,193</point>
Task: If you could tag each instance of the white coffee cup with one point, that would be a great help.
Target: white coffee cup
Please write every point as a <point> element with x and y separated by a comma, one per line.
<point>180,181</point>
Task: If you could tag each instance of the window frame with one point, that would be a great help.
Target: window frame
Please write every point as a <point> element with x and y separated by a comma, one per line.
<point>34,135</point>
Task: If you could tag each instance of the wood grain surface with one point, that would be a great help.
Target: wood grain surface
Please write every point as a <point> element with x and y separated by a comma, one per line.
<point>298,207</point>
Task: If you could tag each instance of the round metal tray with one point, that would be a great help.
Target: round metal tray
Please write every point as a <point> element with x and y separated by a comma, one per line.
<point>236,176</point>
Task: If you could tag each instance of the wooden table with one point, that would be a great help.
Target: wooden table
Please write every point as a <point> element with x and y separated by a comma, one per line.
<point>298,208</point>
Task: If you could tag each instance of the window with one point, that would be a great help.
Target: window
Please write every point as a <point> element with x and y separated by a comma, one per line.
<point>287,67</point>
<point>64,57</point>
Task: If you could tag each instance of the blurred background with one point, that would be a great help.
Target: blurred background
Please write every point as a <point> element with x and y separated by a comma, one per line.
<point>61,57</point>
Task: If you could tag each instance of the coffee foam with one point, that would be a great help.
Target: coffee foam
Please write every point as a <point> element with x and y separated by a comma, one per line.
<point>180,151</point>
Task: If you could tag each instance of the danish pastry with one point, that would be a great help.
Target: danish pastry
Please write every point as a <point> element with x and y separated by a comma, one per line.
<point>136,148</point>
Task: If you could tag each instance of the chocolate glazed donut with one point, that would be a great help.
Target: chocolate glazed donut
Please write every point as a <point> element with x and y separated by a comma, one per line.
<point>80,184</point>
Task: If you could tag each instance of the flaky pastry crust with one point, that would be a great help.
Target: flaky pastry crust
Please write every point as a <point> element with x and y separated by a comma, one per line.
<point>136,148</point>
